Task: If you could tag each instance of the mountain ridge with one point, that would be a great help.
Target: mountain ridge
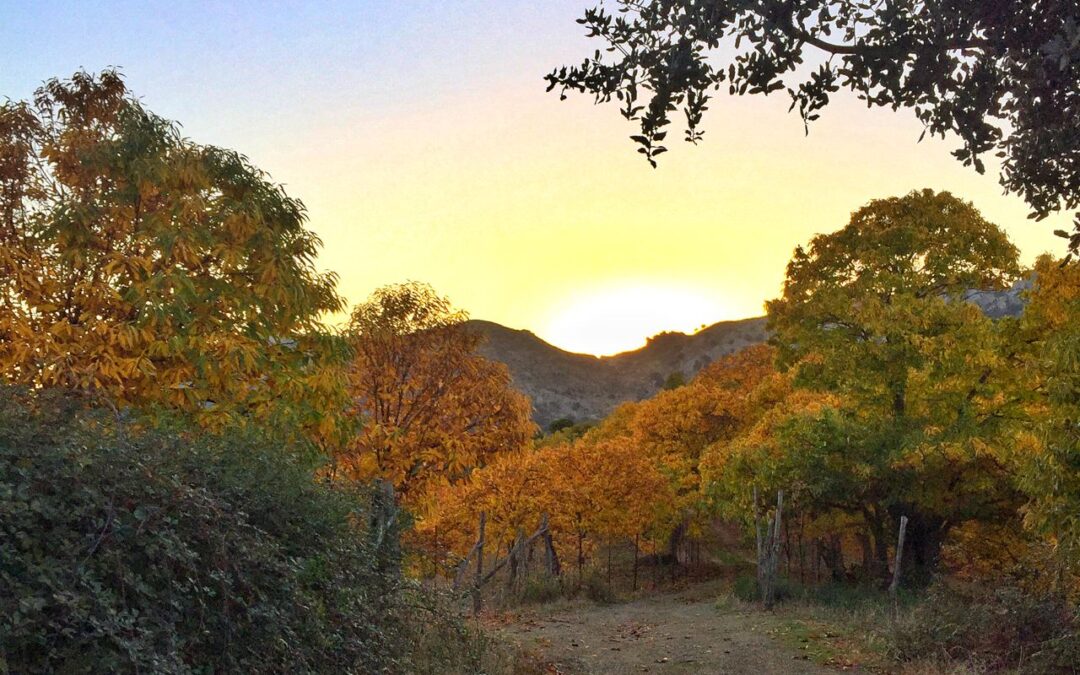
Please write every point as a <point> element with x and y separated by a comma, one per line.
<point>585,387</point>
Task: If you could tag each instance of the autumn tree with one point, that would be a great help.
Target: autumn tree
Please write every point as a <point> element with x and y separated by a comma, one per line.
<point>827,465</point>
<point>1002,76</point>
<point>591,492</point>
<point>511,491</point>
<point>676,426</point>
<point>147,270</point>
<point>1047,459</point>
<point>628,493</point>
<point>875,313</point>
<point>673,429</point>
<point>431,408</point>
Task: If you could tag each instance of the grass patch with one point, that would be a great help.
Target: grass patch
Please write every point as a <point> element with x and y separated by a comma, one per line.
<point>945,629</point>
<point>819,642</point>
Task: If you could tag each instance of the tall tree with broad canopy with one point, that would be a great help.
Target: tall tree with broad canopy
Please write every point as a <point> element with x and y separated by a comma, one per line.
<point>875,313</point>
<point>1002,75</point>
<point>1048,459</point>
<point>431,408</point>
<point>148,270</point>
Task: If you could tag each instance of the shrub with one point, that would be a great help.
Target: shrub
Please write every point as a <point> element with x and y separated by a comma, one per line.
<point>541,589</point>
<point>1002,628</point>
<point>443,644</point>
<point>746,588</point>
<point>596,588</point>
<point>174,551</point>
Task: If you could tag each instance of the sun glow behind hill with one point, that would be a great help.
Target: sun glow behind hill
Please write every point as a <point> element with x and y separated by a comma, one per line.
<point>619,318</point>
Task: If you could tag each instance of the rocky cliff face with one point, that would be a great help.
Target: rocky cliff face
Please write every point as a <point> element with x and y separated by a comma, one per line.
<point>584,387</point>
<point>998,304</point>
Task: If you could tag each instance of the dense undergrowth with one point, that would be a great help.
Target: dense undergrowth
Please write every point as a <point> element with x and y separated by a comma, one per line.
<point>169,550</point>
<point>949,627</point>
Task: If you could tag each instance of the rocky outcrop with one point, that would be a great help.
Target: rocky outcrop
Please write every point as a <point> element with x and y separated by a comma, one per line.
<point>999,304</point>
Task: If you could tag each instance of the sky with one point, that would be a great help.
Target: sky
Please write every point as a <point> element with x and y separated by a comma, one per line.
<point>420,137</point>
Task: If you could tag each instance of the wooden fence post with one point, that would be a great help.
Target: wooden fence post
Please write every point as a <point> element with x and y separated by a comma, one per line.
<point>636,536</point>
<point>757,539</point>
<point>551,556</point>
<point>772,554</point>
<point>895,585</point>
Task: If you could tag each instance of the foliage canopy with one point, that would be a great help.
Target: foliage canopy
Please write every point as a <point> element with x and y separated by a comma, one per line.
<point>1003,76</point>
<point>144,268</point>
<point>181,551</point>
<point>431,408</point>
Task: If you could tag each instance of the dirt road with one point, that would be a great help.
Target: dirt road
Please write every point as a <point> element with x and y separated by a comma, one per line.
<point>672,633</point>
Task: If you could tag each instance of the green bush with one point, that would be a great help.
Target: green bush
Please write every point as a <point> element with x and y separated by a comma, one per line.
<point>596,588</point>
<point>541,589</point>
<point>176,551</point>
<point>746,588</point>
<point>997,629</point>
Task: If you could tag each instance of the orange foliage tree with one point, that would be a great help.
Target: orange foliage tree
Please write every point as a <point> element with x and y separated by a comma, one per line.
<point>430,408</point>
<point>591,493</point>
<point>674,428</point>
<point>148,270</point>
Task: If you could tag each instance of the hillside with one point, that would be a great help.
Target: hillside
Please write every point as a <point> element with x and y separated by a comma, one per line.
<point>586,387</point>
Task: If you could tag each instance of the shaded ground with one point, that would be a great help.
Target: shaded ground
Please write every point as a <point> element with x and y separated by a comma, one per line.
<point>681,632</point>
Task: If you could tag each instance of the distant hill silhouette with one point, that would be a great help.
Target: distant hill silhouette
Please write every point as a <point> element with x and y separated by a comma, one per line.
<point>585,387</point>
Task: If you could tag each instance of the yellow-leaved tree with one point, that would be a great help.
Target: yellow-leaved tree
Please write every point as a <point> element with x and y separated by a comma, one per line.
<point>147,270</point>
<point>876,314</point>
<point>1047,459</point>
<point>431,407</point>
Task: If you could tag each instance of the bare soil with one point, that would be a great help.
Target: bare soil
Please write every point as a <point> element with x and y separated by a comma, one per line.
<point>677,632</point>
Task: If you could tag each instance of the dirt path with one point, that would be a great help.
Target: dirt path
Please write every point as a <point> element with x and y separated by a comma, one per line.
<point>672,633</point>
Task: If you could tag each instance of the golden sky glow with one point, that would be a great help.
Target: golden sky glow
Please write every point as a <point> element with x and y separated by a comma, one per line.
<point>421,139</point>
<point>534,213</point>
<point>618,318</point>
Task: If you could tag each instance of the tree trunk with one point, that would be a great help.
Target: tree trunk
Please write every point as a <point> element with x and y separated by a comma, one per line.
<point>479,566</point>
<point>877,565</point>
<point>802,553</point>
<point>551,557</point>
<point>515,557</point>
<point>580,555</point>
<point>925,537</point>
<point>757,538</point>
<point>831,553</point>
<point>865,545</point>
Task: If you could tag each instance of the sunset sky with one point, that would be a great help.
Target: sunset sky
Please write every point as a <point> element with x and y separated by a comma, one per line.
<point>421,139</point>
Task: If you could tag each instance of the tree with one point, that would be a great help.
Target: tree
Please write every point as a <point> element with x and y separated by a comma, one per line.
<point>676,426</point>
<point>1003,76</point>
<point>144,269</point>
<point>875,313</point>
<point>431,408</point>
<point>674,380</point>
<point>1048,457</point>
<point>511,490</point>
<point>673,429</point>
<point>560,424</point>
